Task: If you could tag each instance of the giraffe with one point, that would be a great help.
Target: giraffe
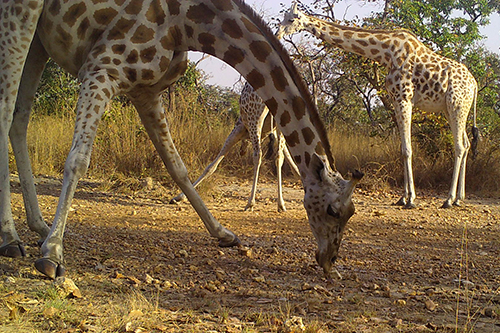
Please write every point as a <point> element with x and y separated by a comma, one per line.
<point>138,48</point>
<point>417,77</point>
<point>18,20</point>
<point>254,123</point>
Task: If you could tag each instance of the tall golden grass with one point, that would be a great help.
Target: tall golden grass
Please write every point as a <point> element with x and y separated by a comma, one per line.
<point>122,149</point>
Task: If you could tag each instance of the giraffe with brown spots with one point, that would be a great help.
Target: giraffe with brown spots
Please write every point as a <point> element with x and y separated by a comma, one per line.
<point>138,48</point>
<point>417,77</point>
<point>254,123</point>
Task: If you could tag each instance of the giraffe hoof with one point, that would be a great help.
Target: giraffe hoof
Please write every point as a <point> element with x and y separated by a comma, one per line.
<point>446,204</point>
<point>281,209</point>
<point>177,199</point>
<point>457,203</point>
<point>15,250</point>
<point>409,205</point>
<point>234,242</point>
<point>49,268</point>
<point>401,202</point>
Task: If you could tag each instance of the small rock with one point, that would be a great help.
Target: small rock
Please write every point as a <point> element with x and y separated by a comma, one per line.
<point>245,251</point>
<point>10,279</point>
<point>149,279</point>
<point>430,305</point>
<point>259,279</point>
<point>49,312</point>
<point>488,312</point>
<point>430,291</point>
<point>306,286</point>
<point>401,302</point>
<point>147,183</point>
<point>183,253</point>
<point>396,322</point>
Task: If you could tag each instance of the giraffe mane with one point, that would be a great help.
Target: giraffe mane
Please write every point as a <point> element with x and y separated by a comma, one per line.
<point>294,73</point>
<point>375,30</point>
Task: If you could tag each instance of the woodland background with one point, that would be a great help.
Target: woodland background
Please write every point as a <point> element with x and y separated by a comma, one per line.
<point>349,92</point>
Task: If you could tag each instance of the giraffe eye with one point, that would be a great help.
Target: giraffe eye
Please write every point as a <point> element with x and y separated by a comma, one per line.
<point>333,213</point>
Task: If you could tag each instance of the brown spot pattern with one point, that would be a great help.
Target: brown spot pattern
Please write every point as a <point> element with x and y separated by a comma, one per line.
<point>260,49</point>
<point>293,139</point>
<point>233,56</point>
<point>200,14</point>
<point>74,12</point>
<point>207,42</point>
<point>256,79</point>
<point>279,79</point>
<point>134,7</point>
<point>121,28</point>
<point>155,13</point>
<point>142,35</point>
<point>308,135</point>
<point>299,107</point>
<point>223,5</point>
<point>105,16</point>
<point>232,29</point>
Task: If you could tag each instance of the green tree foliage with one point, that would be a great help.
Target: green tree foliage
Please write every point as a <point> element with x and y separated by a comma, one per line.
<point>57,92</point>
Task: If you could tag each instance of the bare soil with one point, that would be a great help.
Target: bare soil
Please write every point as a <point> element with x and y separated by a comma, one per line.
<point>143,265</point>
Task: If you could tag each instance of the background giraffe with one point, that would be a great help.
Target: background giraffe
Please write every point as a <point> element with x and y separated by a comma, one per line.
<point>254,123</point>
<point>417,77</point>
<point>139,48</point>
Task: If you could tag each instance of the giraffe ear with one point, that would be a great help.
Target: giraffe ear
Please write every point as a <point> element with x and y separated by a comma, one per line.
<point>318,167</point>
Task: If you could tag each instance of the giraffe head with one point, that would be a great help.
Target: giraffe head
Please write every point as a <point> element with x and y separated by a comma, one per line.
<point>328,202</point>
<point>292,22</point>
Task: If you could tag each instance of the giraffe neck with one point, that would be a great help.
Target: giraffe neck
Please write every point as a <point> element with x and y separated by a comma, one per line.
<point>388,48</point>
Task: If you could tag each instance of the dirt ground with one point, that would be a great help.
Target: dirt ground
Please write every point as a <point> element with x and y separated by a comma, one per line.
<point>142,265</point>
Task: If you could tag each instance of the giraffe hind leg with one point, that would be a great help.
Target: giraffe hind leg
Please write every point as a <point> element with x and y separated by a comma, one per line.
<point>153,118</point>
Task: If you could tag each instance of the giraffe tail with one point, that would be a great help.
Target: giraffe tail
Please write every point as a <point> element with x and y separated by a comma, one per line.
<point>475,130</point>
<point>270,146</point>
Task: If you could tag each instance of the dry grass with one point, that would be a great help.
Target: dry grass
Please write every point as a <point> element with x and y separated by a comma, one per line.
<point>123,152</point>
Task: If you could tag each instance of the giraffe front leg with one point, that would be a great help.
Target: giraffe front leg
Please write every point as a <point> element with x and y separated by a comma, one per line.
<point>153,117</point>
<point>93,98</point>
<point>33,69</point>
<point>11,243</point>
<point>403,117</point>
<point>19,20</point>
<point>457,188</point>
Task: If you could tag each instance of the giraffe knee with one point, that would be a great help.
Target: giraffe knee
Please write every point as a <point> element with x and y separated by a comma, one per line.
<point>76,164</point>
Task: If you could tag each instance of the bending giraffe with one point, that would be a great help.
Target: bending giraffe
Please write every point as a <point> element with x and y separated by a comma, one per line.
<point>138,48</point>
<point>417,77</point>
<point>254,123</point>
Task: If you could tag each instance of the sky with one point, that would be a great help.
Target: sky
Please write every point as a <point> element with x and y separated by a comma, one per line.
<point>221,74</point>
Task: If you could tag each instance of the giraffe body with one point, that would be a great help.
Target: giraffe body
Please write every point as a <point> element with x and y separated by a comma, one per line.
<point>254,123</point>
<point>417,77</point>
<point>138,48</point>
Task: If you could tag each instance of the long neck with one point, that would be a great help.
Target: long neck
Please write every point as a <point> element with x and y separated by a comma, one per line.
<point>238,37</point>
<point>383,46</point>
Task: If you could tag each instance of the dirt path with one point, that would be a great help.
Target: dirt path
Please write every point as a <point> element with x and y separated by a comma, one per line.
<point>145,266</point>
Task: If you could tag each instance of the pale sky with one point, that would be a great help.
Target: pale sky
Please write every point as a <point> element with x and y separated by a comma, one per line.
<point>224,75</point>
